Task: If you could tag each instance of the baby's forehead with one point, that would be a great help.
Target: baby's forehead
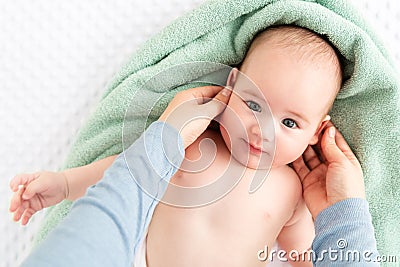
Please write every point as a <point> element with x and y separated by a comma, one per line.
<point>293,38</point>
<point>269,74</point>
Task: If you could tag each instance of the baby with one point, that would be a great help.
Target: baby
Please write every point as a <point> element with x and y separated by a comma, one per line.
<point>298,74</point>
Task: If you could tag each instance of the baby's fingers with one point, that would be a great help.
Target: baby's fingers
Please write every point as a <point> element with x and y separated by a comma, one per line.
<point>18,213</point>
<point>22,179</point>
<point>33,188</point>
<point>28,213</point>
<point>16,200</point>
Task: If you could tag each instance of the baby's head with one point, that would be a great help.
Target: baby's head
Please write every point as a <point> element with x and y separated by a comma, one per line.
<point>298,74</point>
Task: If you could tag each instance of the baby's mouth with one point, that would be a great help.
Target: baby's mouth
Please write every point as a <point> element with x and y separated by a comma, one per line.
<point>255,150</point>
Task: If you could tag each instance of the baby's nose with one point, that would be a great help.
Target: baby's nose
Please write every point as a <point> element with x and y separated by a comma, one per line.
<point>263,133</point>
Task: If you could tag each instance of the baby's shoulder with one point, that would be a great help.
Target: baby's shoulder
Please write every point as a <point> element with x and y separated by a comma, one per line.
<point>281,192</point>
<point>285,171</point>
<point>287,178</point>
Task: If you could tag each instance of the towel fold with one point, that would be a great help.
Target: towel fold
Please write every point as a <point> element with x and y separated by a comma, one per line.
<point>366,111</point>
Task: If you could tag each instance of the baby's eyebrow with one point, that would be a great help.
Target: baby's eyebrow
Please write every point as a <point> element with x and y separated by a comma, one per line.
<point>252,93</point>
<point>299,115</point>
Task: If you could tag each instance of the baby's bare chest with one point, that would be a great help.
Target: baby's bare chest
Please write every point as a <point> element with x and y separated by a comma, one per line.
<point>208,203</point>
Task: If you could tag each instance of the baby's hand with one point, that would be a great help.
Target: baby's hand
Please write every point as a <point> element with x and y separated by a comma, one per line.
<point>36,191</point>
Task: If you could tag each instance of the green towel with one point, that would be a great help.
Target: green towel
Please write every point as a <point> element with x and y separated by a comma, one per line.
<point>366,110</point>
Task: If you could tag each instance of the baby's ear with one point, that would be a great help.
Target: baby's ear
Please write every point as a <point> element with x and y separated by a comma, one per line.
<point>321,126</point>
<point>232,77</point>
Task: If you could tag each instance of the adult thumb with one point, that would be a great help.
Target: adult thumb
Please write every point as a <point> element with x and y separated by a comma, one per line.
<point>219,102</point>
<point>332,152</point>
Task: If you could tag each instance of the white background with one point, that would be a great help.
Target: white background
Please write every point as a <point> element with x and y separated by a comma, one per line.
<point>56,58</point>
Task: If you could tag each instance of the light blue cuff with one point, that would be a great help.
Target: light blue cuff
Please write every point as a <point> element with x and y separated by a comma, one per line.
<point>344,235</point>
<point>349,209</point>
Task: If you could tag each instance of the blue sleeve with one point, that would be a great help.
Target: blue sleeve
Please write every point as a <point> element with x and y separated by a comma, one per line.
<point>103,227</point>
<point>345,235</point>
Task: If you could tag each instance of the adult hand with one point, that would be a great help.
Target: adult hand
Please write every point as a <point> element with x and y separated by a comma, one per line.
<point>330,172</point>
<point>191,111</point>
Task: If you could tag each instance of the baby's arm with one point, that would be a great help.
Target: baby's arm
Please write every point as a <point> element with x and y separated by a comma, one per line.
<point>297,235</point>
<point>79,179</point>
<point>33,192</point>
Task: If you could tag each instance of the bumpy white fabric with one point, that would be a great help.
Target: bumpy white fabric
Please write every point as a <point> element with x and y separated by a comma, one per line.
<point>56,58</point>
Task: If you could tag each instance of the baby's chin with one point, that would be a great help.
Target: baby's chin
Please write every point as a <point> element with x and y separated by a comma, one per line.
<point>251,162</point>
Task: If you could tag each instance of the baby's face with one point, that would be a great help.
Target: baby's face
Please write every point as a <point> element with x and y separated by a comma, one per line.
<point>298,96</point>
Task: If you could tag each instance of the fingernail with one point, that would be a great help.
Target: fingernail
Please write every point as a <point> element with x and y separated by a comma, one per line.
<point>332,132</point>
<point>226,91</point>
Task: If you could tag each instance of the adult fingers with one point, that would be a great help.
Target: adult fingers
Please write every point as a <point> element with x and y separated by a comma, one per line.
<point>318,146</point>
<point>208,92</point>
<point>218,103</point>
<point>300,168</point>
<point>311,158</point>
<point>203,94</point>
<point>343,146</point>
<point>330,150</point>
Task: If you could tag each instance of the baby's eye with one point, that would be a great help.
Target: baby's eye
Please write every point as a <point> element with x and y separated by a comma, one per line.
<point>253,106</point>
<point>289,123</point>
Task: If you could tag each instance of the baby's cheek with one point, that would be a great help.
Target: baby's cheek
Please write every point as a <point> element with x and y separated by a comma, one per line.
<point>225,137</point>
<point>288,151</point>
